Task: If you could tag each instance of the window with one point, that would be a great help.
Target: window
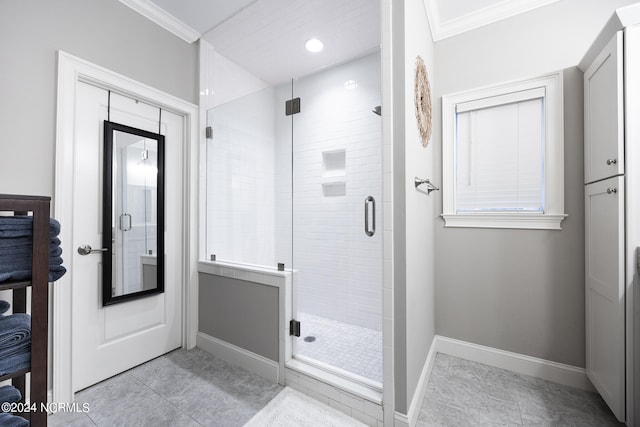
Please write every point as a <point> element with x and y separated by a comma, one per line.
<point>503,155</point>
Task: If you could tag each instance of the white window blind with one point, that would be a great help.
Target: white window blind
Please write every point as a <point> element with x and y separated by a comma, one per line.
<point>500,154</point>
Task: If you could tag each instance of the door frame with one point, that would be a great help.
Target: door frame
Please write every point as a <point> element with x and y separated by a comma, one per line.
<point>72,71</point>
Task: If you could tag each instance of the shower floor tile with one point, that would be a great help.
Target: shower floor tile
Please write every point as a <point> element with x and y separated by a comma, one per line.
<point>352,348</point>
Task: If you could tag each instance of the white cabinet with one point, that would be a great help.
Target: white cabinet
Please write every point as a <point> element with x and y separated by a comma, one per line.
<point>603,113</point>
<point>612,213</point>
<point>605,290</point>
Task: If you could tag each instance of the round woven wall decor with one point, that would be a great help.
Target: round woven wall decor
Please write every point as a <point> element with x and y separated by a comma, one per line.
<point>422,100</point>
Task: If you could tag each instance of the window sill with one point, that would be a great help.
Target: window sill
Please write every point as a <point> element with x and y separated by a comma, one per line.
<point>527,221</point>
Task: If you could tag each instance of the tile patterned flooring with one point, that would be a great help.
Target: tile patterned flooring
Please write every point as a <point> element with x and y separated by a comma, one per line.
<point>464,393</point>
<point>194,388</point>
<point>349,347</point>
<point>182,388</point>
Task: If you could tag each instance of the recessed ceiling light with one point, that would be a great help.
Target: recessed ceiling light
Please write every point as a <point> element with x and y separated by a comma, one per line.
<point>350,84</point>
<point>314,45</point>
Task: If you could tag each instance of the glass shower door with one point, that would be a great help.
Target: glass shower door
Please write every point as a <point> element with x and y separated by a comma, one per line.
<point>336,220</point>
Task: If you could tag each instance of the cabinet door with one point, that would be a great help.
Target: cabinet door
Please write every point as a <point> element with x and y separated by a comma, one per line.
<point>605,315</point>
<point>603,114</point>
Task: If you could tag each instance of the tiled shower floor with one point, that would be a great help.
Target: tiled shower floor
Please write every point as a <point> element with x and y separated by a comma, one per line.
<point>352,348</point>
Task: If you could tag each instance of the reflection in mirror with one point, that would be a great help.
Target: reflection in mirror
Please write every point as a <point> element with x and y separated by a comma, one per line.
<point>133,213</point>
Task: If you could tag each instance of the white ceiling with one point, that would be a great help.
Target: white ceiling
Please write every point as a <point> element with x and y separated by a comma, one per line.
<point>266,37</point>
<point>451,17</point>
<point>453,9</point>
<point>202,15</point>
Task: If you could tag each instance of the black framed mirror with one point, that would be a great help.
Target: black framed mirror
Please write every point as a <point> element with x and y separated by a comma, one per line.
<point>133,214</point>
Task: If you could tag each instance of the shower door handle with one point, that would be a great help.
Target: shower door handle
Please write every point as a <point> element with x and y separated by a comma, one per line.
<point>125,222</point>
<point>370,201</point>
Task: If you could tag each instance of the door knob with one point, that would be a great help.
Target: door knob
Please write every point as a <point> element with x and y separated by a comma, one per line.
<point>87,249</point>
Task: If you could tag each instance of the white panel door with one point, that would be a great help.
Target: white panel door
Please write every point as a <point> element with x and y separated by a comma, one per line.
<point>605,310</point>
<point>603,109</point>
<point>109,340</point>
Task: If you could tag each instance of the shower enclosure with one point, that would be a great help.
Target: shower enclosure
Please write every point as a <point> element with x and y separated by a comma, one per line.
<point>294,170</point>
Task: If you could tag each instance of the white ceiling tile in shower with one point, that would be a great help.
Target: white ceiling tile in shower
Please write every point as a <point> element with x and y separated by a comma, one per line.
<point>267,38</point>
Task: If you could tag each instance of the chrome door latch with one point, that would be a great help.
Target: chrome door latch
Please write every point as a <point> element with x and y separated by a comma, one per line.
<point>87,249</point>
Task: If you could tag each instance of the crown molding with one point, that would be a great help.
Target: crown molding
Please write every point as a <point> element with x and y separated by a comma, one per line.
<point>500,10</point>
<point>161,17</point>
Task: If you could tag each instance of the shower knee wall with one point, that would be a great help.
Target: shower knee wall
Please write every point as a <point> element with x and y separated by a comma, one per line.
<point>241,313</point>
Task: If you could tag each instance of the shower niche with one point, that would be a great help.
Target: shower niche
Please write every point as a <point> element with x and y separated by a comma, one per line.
<point>334,173</point>
<point>333,163</point>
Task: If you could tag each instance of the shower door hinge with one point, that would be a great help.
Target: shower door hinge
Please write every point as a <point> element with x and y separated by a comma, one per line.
<point>209,132</point>
<point>292,106</point>
<point>294,327</point>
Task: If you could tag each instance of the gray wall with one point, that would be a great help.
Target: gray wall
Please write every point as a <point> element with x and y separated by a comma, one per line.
<point>520,290</point>
<point>104,32</point>
<point>241,313</point>
<point>413,211</point>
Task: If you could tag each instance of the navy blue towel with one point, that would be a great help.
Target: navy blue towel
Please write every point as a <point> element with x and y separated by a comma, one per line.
<point>8,420</point>
<point>15,334</point>
<point>12,242</point>
<point>21,226</point>
<point>21,258</point>
<point>15,363</point>
<point>55,273</point>
<point>16,249</point>
<point>9,393</point>
<point>9,245</point>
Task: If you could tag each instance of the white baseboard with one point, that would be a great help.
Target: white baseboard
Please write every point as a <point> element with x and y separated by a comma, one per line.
<point>520,363</point>
<point>248,360</point>
<point>402,420</point>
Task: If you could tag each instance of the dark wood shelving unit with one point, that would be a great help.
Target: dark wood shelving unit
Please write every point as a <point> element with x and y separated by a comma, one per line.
<point>40,208</point>
<point>4,286</point>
